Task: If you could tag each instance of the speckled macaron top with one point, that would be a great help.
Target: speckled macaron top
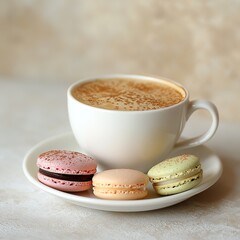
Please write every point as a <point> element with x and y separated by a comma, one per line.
<point>66,162</point>
<point>175,167</point>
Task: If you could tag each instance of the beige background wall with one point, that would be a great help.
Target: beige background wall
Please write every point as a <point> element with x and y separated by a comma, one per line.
<point>194,42</point>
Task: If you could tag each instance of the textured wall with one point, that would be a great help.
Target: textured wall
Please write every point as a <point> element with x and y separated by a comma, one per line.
<point>194,42</point>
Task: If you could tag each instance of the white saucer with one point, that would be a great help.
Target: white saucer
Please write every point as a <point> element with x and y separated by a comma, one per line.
<point>211,164</point>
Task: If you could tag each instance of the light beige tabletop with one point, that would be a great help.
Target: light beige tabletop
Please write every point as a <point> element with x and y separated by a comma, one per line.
<point>31,112</point>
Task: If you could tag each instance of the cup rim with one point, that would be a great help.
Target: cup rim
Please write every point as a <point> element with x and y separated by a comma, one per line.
<point>129,76</point>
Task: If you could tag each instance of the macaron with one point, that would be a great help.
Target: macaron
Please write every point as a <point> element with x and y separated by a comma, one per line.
<point>66,171</point>
<point>176,174</point>
<point>120,184</point>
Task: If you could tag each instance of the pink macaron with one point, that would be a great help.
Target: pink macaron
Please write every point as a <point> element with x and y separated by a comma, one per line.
<point>66,171</point>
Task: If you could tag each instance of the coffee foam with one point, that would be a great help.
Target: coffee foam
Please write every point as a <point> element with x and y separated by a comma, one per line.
<point>128,94</point>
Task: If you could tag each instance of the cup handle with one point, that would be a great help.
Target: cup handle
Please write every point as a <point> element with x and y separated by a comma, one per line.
<point>192,107</point>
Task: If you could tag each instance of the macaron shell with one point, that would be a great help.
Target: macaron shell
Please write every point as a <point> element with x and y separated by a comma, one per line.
<point>66,162</point>
<point>174,165</point>
<point>63,185</point>
<point>113,194</point>
<point>120,177</point>
<point>179,186</point>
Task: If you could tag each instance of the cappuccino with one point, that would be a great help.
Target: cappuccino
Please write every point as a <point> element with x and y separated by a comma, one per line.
<point>128,94</point>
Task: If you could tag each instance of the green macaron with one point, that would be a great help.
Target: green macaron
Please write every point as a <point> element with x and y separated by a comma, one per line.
<point>176,174</point>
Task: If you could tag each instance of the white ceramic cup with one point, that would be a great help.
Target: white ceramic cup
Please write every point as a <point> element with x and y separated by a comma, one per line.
<point>135,139</point>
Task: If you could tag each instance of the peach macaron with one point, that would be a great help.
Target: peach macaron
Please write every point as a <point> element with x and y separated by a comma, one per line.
<point>120,184</point>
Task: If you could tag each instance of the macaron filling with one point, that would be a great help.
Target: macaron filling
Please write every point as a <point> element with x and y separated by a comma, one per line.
<point>67,177</point>
<point>183,179</point>
<point>178,176</point>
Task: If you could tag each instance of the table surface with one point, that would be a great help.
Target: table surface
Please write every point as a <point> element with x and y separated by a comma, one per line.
<point>31,112</point>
